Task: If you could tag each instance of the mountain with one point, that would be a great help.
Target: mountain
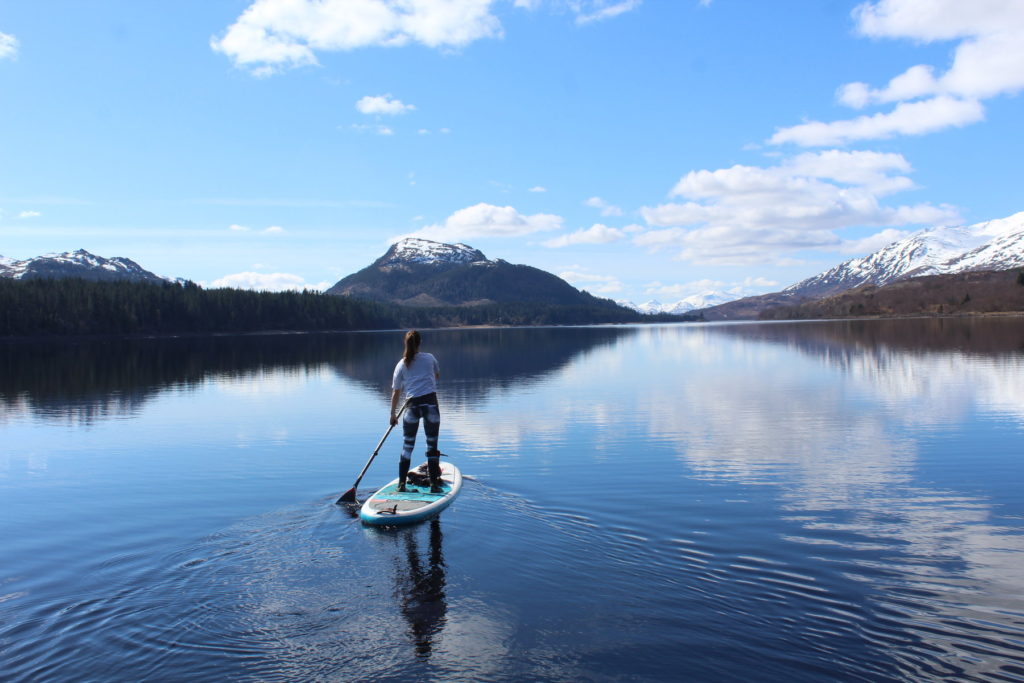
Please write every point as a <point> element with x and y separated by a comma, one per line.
<point>418,272</point>
<point>685,305</point>
<point>1002,253</point>
<point>651,306</point>
<point>991,245</point>
<point>79,264</point>
<point>749,307</point>
<point>968,292</point>
<point>988,246</point>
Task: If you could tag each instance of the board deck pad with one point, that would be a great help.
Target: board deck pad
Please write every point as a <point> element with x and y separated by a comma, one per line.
<point>411,499</point>
<point>389,506</point>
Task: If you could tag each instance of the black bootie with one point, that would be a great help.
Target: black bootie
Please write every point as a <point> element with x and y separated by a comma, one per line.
<point>434,469</point>
<point>403,472</point>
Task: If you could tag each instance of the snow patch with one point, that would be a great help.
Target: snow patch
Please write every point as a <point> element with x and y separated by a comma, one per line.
<point>990,245</point>
<point>418,250</point>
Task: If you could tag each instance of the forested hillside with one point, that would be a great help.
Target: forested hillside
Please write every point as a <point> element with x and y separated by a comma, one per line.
<point>80,307</point>
<point>971,293</point>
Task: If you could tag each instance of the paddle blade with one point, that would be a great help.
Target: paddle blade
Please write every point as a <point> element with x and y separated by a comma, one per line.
<point>348,497</point>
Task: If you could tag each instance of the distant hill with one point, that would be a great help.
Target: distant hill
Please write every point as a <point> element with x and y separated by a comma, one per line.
<point>418,272</point>
<point>685,305</point>
<point>949,294</point>
<point>748,308</point>
<point>77,264</point>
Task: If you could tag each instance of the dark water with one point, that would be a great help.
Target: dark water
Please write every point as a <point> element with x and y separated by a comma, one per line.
<point>814,501</point>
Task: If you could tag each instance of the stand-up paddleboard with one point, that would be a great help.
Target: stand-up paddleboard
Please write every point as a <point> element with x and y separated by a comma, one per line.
<point>388,507</point>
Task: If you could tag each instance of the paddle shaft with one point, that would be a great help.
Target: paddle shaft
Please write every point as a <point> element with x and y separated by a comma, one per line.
<point>350,495</point>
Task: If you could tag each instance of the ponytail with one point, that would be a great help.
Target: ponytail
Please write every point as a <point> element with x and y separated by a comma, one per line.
<point>412,345</point>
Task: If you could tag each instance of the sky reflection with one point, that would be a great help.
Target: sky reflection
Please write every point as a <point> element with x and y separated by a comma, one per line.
<point>828,497</point>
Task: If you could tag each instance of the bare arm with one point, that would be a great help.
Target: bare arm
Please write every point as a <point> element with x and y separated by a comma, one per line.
<point>394,406</point>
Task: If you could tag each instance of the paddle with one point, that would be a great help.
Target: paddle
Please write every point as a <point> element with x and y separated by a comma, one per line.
<point>350,495</point>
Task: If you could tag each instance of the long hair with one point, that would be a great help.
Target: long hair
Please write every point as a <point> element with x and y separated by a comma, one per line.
<point>412,345</point>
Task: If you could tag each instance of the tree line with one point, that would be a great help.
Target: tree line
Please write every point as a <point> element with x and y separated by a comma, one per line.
<point>71,306</point>
<point>970,293</point>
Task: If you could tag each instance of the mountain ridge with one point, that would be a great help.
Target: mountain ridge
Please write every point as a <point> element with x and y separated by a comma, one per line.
<point>933,251</point>
<point>685,305</point>
<point>991,245</point>
<point>78,264</point>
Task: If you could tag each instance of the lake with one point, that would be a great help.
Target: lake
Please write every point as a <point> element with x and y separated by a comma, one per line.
<point>790,501</point>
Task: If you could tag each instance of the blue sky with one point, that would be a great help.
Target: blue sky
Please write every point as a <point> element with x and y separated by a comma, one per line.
<point>640,149</point>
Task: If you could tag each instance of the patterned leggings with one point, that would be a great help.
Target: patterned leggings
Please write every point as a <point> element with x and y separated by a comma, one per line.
<point>431,416</point>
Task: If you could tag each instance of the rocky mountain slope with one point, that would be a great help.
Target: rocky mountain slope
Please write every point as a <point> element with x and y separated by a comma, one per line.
<point>991,245</point>
<point>418,272</point>
<point>79,264</point>
<point>995,245</point>
<point>984,291</point>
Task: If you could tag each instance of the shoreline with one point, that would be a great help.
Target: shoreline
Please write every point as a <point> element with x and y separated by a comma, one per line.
<point>284,333</point>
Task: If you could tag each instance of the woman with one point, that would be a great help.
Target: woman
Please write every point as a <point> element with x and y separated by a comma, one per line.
<point>416,376</point>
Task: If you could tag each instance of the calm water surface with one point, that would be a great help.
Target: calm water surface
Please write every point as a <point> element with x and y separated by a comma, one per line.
<point>813,501</point>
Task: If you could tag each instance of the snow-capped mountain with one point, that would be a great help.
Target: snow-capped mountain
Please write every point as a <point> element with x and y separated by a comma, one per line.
<point>991,245</point>
<point>80,264</point>
<point>418,272</point>
<point>651,306</point>
<point>690,303</point>
<point>695,301</point>
<point>421,251</point>
<point>1001,253</point>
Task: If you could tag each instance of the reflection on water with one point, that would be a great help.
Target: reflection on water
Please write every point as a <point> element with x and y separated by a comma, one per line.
<point>901,361</point>
<point>806,501</point>
<point>421,588</point>
<point>83,381</point>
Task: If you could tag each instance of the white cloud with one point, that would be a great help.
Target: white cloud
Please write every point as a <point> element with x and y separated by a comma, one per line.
<point>740,288</point>
<point>872,243</point>
<point>8,46</point>
<point>487,220</point>
<point>376,129</point>
<point>605,208</point>
<point>383,104</point>
<point>595,284</point>
<point>538,188</point>
<point>758,282</point>
<point>29,214</point>
<point>917,81</point>
<point>747,214</point>
<point>599,10</point>
<point>595,234</point>
<point>272,230</point>
<point>269,282</point>
<point>272,35</point>
<point>683,289</point>
<point>907,118</point>
<point>988,61</point>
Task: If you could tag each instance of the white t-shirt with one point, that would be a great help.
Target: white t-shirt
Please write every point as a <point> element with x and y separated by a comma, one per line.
<point>418,379</point>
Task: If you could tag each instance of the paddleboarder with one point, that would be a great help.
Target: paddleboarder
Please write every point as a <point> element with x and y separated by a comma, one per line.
<point>416,376</point>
